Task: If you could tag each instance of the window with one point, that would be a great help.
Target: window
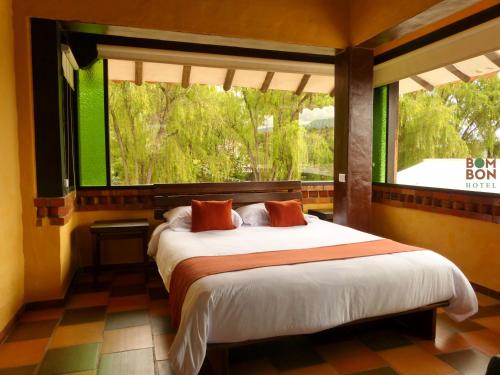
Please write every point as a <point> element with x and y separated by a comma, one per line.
<point>162,132</point>
<point>449,127</point>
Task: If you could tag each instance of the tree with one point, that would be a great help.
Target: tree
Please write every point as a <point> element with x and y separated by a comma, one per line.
<point>164,133</point>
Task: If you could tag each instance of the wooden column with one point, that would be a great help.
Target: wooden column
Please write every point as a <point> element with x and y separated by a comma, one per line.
<point>353,137</point>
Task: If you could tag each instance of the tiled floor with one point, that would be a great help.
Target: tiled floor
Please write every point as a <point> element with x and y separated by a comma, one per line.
<point>124,327</point>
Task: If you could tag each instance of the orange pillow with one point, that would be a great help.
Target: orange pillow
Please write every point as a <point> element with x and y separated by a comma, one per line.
<point>211,215</point>
<point>285,213</point>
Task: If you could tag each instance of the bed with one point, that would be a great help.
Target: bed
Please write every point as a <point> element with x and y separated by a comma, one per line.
<point>220,310</point>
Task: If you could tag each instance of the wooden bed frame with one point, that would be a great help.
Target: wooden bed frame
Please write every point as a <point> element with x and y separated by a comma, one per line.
<point>421,321</point>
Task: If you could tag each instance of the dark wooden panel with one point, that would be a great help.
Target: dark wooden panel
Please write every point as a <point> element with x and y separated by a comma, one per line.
<point>238,198</point>
<point>230,187</point>
<point>446,31</point>
<point>353,137</point>
<point>433,14</point>
<point>47,98</point>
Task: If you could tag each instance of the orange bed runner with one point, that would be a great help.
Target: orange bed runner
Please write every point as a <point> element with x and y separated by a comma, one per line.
<point>192,269</point>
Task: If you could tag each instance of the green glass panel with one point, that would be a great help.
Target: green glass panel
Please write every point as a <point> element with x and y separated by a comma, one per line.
<point>379,134</point>
<point>91,126</point>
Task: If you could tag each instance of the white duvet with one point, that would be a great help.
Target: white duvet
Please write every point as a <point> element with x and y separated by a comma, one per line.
<point>295,299</point>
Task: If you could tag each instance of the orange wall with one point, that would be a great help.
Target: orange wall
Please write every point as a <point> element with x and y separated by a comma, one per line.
<point>473,245</point>
<point>312,22</point>
<point>11,241</point>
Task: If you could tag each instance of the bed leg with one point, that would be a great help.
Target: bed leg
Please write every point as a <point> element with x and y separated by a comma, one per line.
<point>422,323</point>
<point>218,358</point>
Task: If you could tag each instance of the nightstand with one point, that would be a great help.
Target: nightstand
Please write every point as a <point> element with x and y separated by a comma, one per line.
<point>117,230</point>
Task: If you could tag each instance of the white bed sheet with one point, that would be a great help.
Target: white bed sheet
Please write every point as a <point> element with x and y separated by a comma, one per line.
<point>302,298</point>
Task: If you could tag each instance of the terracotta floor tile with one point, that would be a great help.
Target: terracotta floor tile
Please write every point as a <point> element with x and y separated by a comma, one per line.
<point>491,322</point>
<point>46,314</point>
<point>137,302</point>
<point>412,360</point>
<point>159,307</point>
<point>161,324</point>
<point>158,293</point>
<point>127,290</point>
<point>77,334</point>
<point>126,319</point>
<point>378,371</point>
<point>119,340</point>
<point>468,362</point>
<point>162,345</point>
<point>84,315</point>
<point>485,300</point>
<point>88,300</point>
<point>22,353</point>
<point>446,344</point>
<point>38,329</point>
<point>260,366</point>
<point>70,359</point>
<point>164,368</point>
<point>136,362</point>
<point>351,356</point>
<point>465,326</point>
<point>128,279</point>
<point>485,340</point>
<point>322,369</point>
<point>25,370</point>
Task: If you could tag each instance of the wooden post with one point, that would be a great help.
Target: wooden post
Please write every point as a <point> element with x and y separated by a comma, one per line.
<point>353,137</point>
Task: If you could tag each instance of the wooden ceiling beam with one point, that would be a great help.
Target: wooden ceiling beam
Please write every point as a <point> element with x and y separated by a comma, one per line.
<point>422,82</point>
<point>458,73</point>
<point>186,74</point>
<point>494,57</point>
<point>228,81</point>
<point>267,81</point>
<point>302,84</point>
<point>139,76</point>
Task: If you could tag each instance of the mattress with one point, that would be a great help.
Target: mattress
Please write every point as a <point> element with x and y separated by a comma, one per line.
<point>302,298</point>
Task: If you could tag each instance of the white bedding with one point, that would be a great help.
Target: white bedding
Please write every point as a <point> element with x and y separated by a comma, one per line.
<point>302,298</point>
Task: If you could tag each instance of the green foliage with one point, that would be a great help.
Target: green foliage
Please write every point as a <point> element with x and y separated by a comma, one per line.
<point>454,121</point>
<point>163,133</point>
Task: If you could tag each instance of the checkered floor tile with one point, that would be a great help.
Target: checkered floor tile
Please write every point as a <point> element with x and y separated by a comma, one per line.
<point>123,326</point>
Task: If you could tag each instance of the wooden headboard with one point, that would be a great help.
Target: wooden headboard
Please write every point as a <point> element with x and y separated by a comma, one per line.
<point>168,196</point>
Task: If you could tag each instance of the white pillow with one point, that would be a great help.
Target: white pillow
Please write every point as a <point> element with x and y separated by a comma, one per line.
<point>254,214</point>
<point>179,219</point>
<point>257,215</point>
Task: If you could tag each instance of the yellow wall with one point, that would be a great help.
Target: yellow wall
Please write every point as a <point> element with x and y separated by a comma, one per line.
<point>11,241</point>
<point>473,245</point>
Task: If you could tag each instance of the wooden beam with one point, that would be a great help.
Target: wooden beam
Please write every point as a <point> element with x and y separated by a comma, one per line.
<point>494,57</point>
<point>422,82</point>
<point>267,81</point>
<point>302,84</point>
<point>439,11</point>
<point>458,73</point>
<point>139,77</point>
<point>228,82</point>
<point>186,73</point>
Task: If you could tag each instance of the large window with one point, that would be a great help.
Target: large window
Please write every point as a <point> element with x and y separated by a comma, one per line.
<point>449,132</point>
<point>163,133</point>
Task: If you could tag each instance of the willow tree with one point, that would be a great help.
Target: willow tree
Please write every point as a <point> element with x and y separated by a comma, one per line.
<point>427,129</point>
<point>476,107</point>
